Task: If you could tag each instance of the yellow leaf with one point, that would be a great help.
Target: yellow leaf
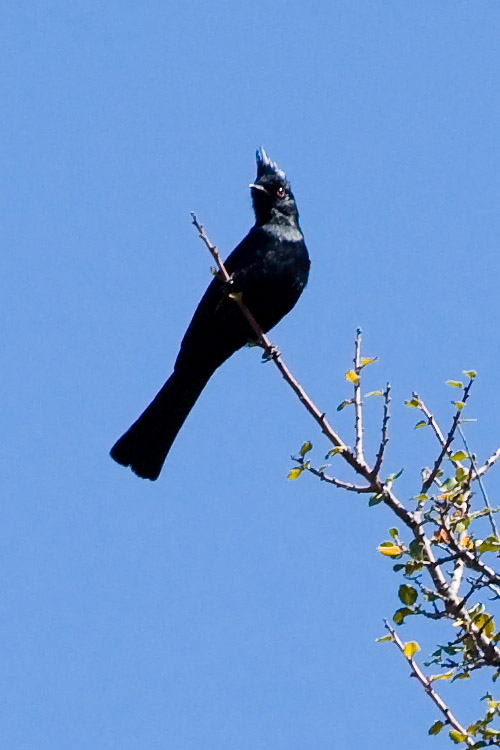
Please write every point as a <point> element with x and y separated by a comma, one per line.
<point>389,549</point>
<point>410,649</point>
<point>368,361</point>
<point>352,376</point>
<point>445,676</point>
<point>294,474</point>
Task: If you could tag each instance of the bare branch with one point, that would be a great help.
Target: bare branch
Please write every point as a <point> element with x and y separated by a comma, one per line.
<point>384,439</point>
<point>448,441</point>
<point>427,685</point>
<point>489,463</point>
<point>481,485</point>
<point>357,400</point>
<point>338,482</point>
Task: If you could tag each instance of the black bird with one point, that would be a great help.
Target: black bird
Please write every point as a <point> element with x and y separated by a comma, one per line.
<point>270,268</point>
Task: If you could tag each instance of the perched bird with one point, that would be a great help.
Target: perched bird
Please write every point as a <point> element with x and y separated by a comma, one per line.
<point>269,268</point>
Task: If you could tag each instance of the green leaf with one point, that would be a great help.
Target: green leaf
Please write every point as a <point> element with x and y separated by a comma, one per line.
<point>368,361</point>
<point>420,424</point>
<point>305,448</point>
<point>413,403</point>
<point>457,737</point>
<point>455,383</point>
<point>459,456</point>
<point>374,393</point>
<point>392,477</point>
<point>459,405</point>
<point>407,594</point>
<point>383,639</point>
<point>337,449</point>
<point>410,649</point>
<point>436,727</point>
<point>485,623</point>
<point>420,498</point>
<point>352,376</point>
<point>344,404</point>
<point>462,676</point>
<point>400,614</point>
<point>294,473</point>
<point>470,374</point>
<point>393,533</point>
<point>375,500</point>
<point>490,544</point>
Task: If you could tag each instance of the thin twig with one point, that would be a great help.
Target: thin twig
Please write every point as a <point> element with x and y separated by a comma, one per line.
<point>384,439</point>
<point>448,440</point>
<point>489,463</point>
<point>357,399</point>
<point>338,482</point>
<point>481,485</point>
<point>427,685</point>
<point>435,427</point>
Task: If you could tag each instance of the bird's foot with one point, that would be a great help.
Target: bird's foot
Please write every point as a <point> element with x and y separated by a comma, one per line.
<point>270,354</point>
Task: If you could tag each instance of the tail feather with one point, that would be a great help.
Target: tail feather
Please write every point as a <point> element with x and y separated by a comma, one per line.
<point>145,445</point>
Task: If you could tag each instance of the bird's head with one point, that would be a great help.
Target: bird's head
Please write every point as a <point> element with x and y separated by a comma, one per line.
<point>271,194</point>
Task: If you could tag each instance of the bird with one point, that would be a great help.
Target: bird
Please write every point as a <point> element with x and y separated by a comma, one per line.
<point>269,269</point>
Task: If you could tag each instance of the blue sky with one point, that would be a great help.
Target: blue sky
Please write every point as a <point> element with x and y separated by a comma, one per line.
<point>222,606</point>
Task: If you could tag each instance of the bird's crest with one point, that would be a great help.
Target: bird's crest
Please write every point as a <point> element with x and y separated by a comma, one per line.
<point>267,167</point>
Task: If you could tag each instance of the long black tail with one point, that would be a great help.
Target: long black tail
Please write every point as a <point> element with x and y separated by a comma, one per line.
<point>144,447</point>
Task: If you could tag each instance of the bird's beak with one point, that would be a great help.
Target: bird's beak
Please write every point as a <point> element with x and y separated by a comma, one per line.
<point>253,186</point>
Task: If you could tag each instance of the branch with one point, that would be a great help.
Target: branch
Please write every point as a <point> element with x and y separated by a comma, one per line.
<point>338,482</point>
<point>427,685</point>
<point>481,485</point>
<point>447,443</point>
<point>384,439</point>
<point>357,400</point>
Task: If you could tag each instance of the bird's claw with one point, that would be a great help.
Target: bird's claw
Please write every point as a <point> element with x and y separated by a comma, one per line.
<point>270,354</point>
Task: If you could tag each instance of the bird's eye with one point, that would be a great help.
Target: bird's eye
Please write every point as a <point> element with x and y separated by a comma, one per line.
<point>280,192</point>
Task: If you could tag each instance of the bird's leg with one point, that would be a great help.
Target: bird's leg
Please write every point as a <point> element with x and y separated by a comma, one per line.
<point>270,354</point>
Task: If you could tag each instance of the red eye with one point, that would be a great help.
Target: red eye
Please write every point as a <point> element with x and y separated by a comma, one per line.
<point>280,192</point>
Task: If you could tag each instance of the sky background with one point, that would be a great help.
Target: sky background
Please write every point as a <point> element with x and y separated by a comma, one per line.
<point>223,606</point>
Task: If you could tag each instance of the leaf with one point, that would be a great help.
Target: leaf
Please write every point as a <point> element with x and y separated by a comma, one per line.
<point>305,448</point>
<point>368,361</point>
<point>444,676</point>
<point>459,405</point>
<point>413,403</point>
<point>459,456</point>
<point>455,383</point>
<point>420,498</point>
<point>393,533</point>
<point>375,500</point>
<point>407,594</point>
<point>383,639</point>
<point>294,473</point>
<point>400,614</point>
<point>457,737</point>
<point>485,624</point>
<point>236,296</point>
<point>436,727</point>
<point>462,676</point>
<point>410,649</point>
<point>352,376</point>
<point>344,404</point>
<point>337,449</point>
<point>392,477</point>
<point>420,424</point>
<point>374,393</point>
<point>490,544</point>
<point>389,549</point>
<point>470,374</point>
